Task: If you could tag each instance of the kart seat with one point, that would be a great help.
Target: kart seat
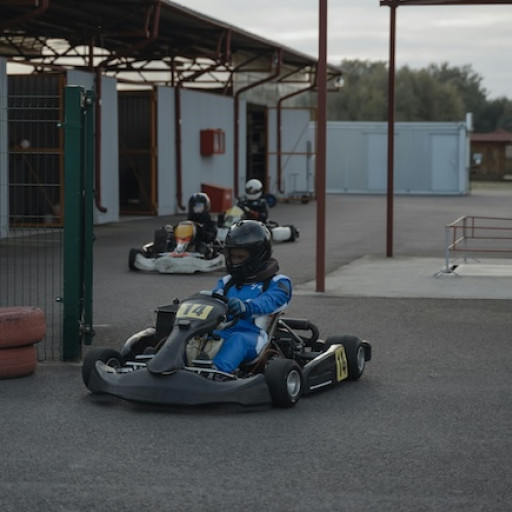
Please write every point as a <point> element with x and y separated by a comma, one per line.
<point>271,324</point>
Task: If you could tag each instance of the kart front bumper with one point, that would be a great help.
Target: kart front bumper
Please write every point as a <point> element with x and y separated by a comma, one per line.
<point>182,387</point>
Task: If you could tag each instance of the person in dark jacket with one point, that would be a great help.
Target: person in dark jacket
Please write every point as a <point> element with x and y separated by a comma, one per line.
<point>199,206</point>
<point>254,204</point>
<point>255,290</point>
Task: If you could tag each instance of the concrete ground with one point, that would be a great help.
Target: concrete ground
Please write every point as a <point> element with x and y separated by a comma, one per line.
<point>427,427</point>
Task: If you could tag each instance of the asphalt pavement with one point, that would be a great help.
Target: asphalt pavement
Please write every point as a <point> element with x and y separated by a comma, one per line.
<point>427,427</point>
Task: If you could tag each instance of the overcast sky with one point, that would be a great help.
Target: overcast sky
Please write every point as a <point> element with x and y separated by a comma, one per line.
<point>358,29</point>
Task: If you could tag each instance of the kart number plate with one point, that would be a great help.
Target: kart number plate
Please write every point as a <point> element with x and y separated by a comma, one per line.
<point>341,364</point>
<point>195,311</point>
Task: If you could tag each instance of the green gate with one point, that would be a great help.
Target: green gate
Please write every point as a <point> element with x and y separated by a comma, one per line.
<point>78,220</point>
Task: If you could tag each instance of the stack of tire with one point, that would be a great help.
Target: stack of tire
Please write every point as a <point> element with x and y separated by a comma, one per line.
<point>20,329</point>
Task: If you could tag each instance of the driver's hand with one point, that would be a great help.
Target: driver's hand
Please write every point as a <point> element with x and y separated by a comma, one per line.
<point>236,307</point>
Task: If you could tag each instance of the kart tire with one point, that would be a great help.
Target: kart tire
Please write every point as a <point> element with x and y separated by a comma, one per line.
<point>21,326</point>
<point>354,351</point>
<point>131,258</point>
<point>285,382</point>
<point>17,361</point>
<point>294,233</point>
<point>108,356</point>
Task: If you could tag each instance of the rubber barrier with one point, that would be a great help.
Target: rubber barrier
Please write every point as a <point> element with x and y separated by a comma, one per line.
<point>20,326</point>
<point>17,361</point>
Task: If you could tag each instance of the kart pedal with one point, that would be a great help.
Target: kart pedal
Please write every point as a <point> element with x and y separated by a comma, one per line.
<point>202,363</point>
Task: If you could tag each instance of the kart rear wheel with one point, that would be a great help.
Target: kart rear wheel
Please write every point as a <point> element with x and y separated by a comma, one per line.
<point>108,356</point>
<point>285,382</point>
<point>131,258</point>
<point>294,233</point>
<point>354,350</point>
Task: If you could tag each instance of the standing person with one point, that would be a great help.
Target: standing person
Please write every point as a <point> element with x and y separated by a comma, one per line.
<point>255,290</point>
<point>199,206</point>
<point>254,204</point>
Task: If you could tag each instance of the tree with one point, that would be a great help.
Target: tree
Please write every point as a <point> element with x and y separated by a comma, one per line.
<point>439,92</point>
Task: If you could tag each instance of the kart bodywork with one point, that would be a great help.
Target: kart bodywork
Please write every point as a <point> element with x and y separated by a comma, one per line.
<point>173,251</point>
<point>231,216</point>
<point>171,363</point>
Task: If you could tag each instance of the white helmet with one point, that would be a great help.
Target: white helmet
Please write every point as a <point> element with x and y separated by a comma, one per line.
<point>253,189</point>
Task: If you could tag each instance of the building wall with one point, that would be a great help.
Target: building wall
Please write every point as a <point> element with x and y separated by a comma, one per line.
<point>297,146</point>
<point>4,186</point>
<point>166,162</point>
<point>202,111</point>
<point>490,161</point>
<point>109,185</point>
<point>430,158</point>
<point>199,111</point>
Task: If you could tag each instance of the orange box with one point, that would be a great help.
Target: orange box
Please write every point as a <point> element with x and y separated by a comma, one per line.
<point>221,197</point>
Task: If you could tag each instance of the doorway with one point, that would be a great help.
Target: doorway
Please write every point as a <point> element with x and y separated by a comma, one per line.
<point>137,153</point>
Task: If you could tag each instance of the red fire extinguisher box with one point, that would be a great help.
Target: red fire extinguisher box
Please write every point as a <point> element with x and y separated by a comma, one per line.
<point>213,142</point>
<point>220,197</point>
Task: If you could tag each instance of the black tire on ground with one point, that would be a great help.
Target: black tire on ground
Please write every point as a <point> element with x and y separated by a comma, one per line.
<point>17,361</point>
<point>285,382</point>
<point>354,351</point>
<point>131,258</point>
<point>21,325</point>
<point>109,356</point>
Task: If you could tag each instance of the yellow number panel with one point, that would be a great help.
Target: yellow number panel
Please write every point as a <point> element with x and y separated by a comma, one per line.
<point>341,364</point>
<point>195,311</point>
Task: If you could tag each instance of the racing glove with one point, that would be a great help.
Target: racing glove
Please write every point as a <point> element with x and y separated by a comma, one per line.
<point>237,308</point>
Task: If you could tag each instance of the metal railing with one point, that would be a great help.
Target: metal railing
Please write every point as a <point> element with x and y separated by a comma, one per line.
<point>477,235</point>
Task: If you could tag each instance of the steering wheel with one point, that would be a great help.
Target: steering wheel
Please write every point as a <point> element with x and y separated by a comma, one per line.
<point>234,318</point>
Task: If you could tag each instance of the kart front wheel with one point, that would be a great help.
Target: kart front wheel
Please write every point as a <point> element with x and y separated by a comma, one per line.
<point>108,356</point>
<point>285,382</point>
<point>354,350</point>
<point>131,258</point>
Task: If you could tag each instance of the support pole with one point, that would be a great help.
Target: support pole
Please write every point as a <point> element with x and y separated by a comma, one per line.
<point>321,129</point>
<point>391,132</point>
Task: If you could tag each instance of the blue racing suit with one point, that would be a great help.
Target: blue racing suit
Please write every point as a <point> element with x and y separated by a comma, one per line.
<point>247,338</point>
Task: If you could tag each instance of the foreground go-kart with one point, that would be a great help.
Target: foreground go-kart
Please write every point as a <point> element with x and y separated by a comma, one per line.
<point>171,363</point>
<point>231,216</point>
<point>173,251</point>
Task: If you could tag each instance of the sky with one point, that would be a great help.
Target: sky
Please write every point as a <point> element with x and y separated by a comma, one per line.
<point>359,29</point>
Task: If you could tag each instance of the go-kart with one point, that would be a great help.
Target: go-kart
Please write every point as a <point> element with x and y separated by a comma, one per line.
<point>231,216</point>
<point>171,363</point>
<point>173,251</point>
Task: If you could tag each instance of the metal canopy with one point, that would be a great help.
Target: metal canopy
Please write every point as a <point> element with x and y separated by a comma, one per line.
<point>148,41</point>
<point>397,3</point>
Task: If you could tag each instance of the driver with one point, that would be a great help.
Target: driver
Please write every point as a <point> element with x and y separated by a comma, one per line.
<point>254,204</point>
<point>255,290</point>
<point>199,206</point>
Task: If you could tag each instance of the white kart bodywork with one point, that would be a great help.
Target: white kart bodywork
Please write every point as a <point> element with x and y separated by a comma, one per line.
<point>179,263</point>
<point>234,214</point>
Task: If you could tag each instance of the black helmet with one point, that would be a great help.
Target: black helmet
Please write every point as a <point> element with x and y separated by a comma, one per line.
<point>199,203</point>
<point>256,238</point>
